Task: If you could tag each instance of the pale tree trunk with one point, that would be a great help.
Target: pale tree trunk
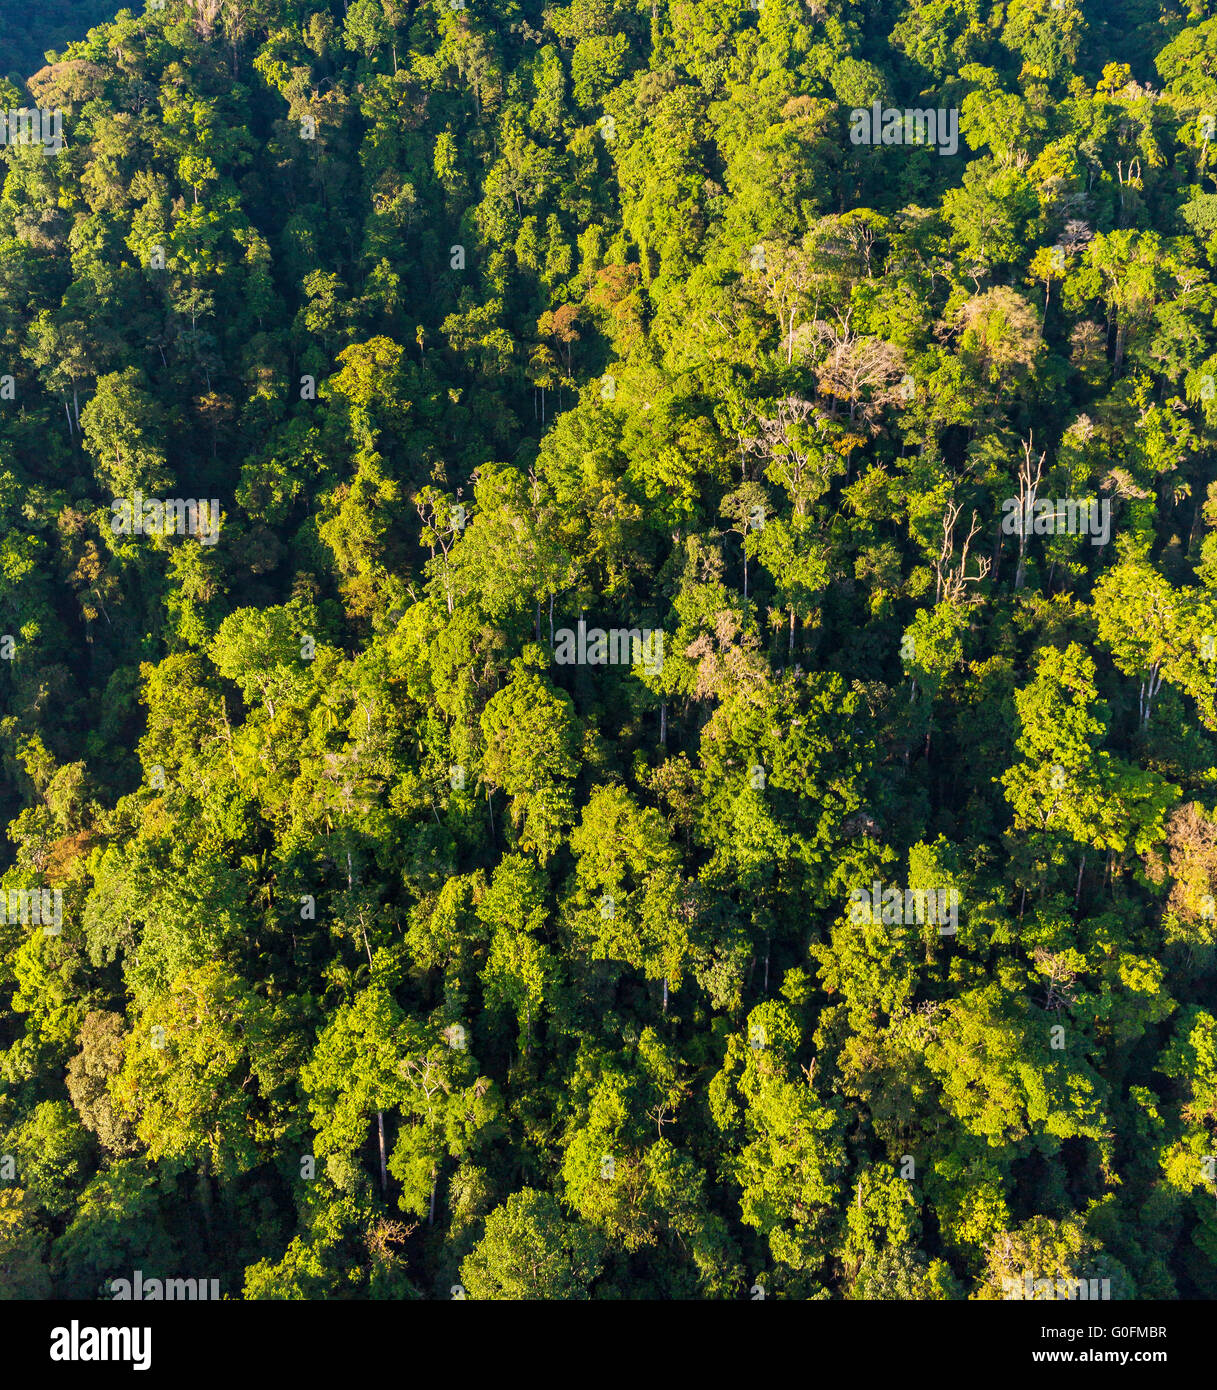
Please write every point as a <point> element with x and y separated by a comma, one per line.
<point>1029,480</point>
<point>1149,692</point>
<point>380,1129</point>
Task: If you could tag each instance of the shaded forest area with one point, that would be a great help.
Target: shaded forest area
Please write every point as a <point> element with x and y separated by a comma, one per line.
<point>393,954</point>
<point>28,32</point>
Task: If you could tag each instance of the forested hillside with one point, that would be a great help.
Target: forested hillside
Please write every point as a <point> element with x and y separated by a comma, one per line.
<point>28,31</point>
<point>608,650</point>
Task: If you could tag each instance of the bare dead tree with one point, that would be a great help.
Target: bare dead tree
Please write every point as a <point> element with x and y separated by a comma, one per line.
<point>1075,236</point>
<point>951,580</point>
<point>1030,475</point>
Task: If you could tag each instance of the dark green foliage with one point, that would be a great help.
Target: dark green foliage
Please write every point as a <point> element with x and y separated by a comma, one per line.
<point>405,951</point>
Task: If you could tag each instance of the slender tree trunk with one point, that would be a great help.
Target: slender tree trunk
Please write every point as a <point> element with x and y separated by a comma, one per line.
<point>1151,692</point>
<point>380,1130</point>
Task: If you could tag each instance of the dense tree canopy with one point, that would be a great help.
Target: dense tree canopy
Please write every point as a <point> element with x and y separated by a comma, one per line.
<point>617,687</point>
